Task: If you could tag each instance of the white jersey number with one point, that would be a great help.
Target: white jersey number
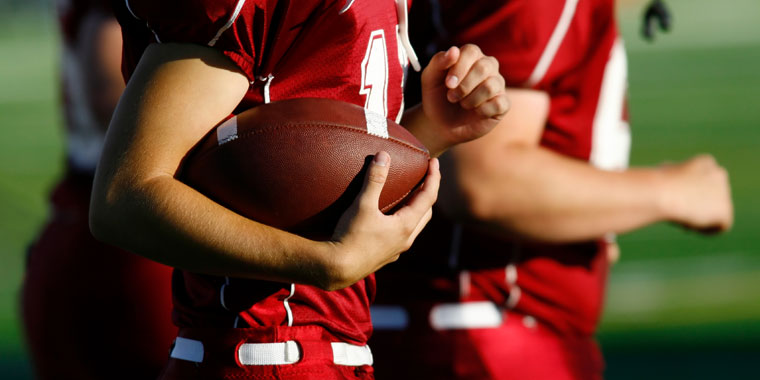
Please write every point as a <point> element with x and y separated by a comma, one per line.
<point>375,74</point>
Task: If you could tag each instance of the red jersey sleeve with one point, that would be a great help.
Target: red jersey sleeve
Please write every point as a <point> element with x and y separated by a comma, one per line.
<point>226,25</point>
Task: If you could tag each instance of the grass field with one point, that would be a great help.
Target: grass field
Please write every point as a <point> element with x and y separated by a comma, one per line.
<point>679,305</point>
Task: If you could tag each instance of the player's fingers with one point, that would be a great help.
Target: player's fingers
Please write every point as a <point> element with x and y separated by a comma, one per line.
<point>426,196</point>
<point>495,107</point>
<point>374,180</point>
<point>487,89</point>
<point>705,160</point>
<point>470,70</point>
<point>436,71</point>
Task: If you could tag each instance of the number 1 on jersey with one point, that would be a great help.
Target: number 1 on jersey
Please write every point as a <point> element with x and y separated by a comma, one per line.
<point>375,74</point>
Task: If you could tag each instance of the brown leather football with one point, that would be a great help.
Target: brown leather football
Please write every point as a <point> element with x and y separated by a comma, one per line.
<point>298,164</point>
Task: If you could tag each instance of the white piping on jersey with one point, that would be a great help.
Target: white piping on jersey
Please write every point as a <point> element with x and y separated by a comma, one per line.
<point>514,290</point>
<point>126,2</point>
<point>510,274</point>
<point>404,62</point>
<point>229,23</point>
<point>456,244</point>
<point>268,80</point>
<point>221,292</point>
<point>400,113</point>
<point>611,135</point>
<point>237,321</point>
<point>349,3</point>
<point>554,42</point>
<point>287,304</point>
<point>514,297</point>
<point>403,22</point>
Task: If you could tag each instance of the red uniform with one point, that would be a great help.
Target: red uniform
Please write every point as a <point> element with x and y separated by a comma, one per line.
<point>90,311</point>
<point>345,50</point>
<point>468,305</point>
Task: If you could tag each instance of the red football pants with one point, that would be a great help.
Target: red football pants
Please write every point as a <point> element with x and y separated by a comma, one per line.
<point>511,351</point>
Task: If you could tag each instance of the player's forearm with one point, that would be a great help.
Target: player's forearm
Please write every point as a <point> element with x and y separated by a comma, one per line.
<point>536,193</point>
<point>136,202</point>
<point>164,220</point>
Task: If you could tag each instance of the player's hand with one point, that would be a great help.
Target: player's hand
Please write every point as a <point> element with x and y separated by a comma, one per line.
<point>463,94</point>
<point>697,195</point>
<point>365,239</point>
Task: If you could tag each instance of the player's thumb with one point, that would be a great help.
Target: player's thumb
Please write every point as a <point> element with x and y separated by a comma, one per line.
<point>374,180</point>
<point>436,71</point>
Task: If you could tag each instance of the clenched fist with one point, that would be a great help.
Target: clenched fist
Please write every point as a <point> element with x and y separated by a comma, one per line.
<point>697,195</point>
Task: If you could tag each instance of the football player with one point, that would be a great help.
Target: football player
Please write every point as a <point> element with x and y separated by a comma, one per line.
<point>90,310</point>
<point>507,281</point>
<point>252,301</point>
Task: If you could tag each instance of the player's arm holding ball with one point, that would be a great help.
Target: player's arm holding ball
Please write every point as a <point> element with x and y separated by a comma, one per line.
<point>463,99</point>
<point>138,204</point>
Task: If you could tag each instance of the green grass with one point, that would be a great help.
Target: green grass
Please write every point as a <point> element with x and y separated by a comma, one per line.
<point>679,305</point>
<point>685,101</point>
<point>30,158</point>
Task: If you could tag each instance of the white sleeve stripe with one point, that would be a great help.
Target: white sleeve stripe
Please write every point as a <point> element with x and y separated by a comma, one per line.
<point>611,135</point>
<point>554,42</point>
<point>155,35</point>
<point>348,4</point>
<point>229,23</point>
<point>126,2</point>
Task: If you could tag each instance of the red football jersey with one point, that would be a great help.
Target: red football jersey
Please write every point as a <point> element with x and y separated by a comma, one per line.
<point>570,49</point>
<point>344,50</point>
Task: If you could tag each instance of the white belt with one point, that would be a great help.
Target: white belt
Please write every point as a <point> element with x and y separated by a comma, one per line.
<point>274,353</point>
<point>444,316</point>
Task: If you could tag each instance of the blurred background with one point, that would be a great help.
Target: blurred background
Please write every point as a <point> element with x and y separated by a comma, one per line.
<point>679,305</point>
